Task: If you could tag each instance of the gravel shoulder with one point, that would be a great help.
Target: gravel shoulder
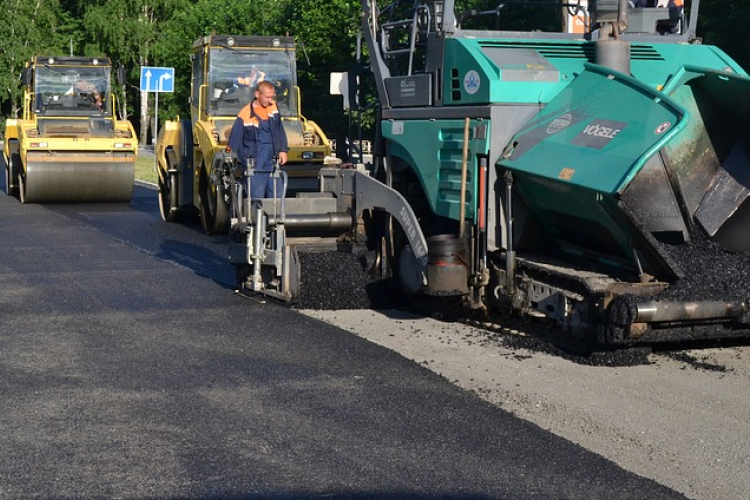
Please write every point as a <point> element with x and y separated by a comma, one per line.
<point>681,419</point>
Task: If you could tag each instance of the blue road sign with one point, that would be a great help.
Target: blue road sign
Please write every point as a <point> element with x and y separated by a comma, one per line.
<point>157,79</point>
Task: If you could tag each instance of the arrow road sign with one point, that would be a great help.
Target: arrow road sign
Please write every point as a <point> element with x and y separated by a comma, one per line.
<point>155,79</point>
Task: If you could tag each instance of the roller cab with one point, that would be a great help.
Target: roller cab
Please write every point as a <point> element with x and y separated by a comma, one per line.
<point>69,146</point>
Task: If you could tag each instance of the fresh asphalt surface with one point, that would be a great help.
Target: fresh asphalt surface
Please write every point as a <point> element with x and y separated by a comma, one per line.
<point>130,369</point>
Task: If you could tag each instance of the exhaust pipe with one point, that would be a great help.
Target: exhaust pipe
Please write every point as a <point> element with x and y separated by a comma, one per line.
<point>611,51</point>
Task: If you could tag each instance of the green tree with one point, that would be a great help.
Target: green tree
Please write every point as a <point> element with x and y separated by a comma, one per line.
<point>327,32</point>
<point>27,29</point>
<point>724,23</point>
<point>324,29</point>
<point>127,30</point>
<point>201,18</point>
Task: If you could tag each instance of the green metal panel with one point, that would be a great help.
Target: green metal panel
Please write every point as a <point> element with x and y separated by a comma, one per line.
<point>598,132</point>
<point>574,158</point>
<point>479,71</point>
<point>434,150</point>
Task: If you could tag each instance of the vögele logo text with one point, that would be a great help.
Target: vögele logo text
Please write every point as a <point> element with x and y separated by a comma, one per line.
<point>601,131</point>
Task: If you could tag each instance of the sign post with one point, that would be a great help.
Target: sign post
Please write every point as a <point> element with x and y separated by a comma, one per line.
<point>156,79</point>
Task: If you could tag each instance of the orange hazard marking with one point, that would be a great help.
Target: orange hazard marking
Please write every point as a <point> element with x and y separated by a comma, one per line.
<point>566,174</point>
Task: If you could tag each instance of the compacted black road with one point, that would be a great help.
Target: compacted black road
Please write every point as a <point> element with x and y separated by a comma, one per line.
<point>130,369</point>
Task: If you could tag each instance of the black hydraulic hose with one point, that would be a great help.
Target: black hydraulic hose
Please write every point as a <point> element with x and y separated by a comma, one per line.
<point>238,199</point>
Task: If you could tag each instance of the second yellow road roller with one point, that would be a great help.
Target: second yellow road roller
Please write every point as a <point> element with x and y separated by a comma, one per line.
<point>69,146</point>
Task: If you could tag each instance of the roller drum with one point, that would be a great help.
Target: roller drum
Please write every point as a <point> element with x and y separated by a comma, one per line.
<point>79,178</point>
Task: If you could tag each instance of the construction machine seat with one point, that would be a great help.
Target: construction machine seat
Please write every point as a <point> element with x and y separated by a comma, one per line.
<point>655,20</point>
<point>652,19</point>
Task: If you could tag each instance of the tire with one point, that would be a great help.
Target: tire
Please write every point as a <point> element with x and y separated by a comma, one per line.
<point>241,273</point>
<point>214,208</point>
<point>168,198</point>
<point>11,175</point>
<point>21,188</point>
<point>401,260</point>
<point>8,188</point>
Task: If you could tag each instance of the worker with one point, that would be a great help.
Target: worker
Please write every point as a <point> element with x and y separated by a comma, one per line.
<point>657,3</point>
<point>258,133</point>
<point>674,26</point>
<point>251,79</point>
<point>88,91</point>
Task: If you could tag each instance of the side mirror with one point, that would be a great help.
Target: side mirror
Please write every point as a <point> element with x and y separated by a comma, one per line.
<point>122,75</point>
<point>26,76</point>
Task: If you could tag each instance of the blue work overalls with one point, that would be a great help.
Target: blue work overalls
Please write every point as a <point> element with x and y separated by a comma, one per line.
<point>252,137</point>
<point>262,184</point>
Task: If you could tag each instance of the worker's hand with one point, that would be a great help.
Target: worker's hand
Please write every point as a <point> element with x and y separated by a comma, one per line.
<point>282,158</point>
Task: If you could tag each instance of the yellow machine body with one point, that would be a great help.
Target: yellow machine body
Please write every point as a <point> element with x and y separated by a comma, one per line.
<point>69,146</point>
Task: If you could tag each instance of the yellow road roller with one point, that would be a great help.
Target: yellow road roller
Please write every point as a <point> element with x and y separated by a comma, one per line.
<point>225,72</point>
<point>69,146</point>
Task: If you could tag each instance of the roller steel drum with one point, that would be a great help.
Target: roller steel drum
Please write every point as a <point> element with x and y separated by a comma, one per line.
<point>79,177</point>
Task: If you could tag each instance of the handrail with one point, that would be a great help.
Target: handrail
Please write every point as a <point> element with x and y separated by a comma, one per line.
<point>414,22</point>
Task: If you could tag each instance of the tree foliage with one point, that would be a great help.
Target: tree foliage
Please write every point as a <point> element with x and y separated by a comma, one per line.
<point>27,29</point>
<point>201,18</point>
<point>127,31</point>
<point>327,32</point>
<point>724,23</point>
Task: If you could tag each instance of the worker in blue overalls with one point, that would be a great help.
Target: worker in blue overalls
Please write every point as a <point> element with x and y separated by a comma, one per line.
<point>258,133</point>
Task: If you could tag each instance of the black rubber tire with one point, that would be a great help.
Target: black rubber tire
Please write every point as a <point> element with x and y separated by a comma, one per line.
<point>21,188</point>
<point>8,188</point>
<point>214,209</point>
<point>168,198</point>
<point>11,174</point>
